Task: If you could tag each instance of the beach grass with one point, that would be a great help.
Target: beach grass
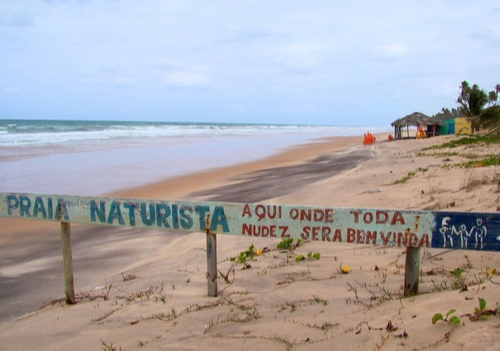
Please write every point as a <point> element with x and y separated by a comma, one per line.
<point>466,141</point>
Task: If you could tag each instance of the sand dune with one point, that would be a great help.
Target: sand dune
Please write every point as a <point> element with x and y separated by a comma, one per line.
<point>152,293</point>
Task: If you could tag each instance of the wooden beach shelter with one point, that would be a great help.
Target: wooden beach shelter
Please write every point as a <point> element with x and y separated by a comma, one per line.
<point>415,119</point>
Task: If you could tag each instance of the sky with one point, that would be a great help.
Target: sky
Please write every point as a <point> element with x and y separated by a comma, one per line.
<point>353,63</point>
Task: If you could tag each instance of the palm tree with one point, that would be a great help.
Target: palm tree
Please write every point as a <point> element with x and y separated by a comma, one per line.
<point>493,95</point>
<point>472,101</point>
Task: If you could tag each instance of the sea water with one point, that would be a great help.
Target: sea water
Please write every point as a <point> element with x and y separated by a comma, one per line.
<point>97,157</point>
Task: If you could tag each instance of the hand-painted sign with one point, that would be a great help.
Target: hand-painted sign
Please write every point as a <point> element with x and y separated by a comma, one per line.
<point>476,231</point>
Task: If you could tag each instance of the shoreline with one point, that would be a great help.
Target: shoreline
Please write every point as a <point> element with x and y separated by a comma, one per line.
<point>88,169</point>
<point>188,185</point>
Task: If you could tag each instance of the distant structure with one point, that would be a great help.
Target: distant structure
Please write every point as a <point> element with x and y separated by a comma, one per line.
<point>416,119</point>
<point>443,123</point>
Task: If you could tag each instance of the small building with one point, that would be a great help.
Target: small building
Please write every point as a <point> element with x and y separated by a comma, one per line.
<point>462,126</point>
<point>416,119</point>
<point>457,126</point>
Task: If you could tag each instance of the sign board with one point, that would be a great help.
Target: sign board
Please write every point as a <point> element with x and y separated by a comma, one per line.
<point>409,228</point>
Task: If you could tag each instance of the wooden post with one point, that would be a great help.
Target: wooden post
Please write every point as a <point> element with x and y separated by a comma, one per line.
<point>412,271</point>
<point>69,290</point>
<point>212,264</point>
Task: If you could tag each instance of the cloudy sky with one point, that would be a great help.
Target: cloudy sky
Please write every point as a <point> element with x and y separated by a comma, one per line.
<point>359,63</point>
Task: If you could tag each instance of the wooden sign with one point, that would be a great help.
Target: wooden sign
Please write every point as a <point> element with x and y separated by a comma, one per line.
<point>456,230</point>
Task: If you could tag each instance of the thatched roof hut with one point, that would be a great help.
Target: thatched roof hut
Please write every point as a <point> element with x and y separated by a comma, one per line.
<point>415,119</point>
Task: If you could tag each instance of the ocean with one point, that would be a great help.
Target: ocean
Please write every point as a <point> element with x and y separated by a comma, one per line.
<point>97,157</point>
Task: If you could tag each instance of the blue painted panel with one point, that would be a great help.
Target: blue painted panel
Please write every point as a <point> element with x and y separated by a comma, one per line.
<point>452,128</point>
<point>479,231</point>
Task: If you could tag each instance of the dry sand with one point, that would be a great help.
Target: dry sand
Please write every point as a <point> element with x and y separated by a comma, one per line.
<point>147,290</point>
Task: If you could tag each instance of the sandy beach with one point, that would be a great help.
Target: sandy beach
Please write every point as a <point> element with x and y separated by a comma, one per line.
<point>140,289</point>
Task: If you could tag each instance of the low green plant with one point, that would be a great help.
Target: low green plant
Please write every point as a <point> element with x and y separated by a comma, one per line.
<point>285,244</point>
<point>457,272</point>
<point>310,256</point>
<point>470,140</point>
<point>459,283</point>
<point>406,178</point>
<point>313,256</point>
<point>244,255</point>
<point>481,313</point>
<point>448,317</point>
<point>289,244</point>
<point>492,160</point>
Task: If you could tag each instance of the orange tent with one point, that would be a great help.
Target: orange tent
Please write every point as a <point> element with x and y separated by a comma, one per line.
<point>368,139</point>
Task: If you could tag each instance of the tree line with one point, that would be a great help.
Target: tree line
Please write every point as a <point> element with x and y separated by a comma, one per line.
<point>480,108</point>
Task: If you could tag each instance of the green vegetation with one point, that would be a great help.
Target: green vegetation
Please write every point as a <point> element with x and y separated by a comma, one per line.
<point>452,320</point>
<point>310,256</point>
<point>472,102</point>
<point>476,160</point>
<point>480,108</point>
<point>411,175</point>
<point>405,178</point>
<point>481,313</point>
<point>457,272</point>
<point>492,160</point>
<point>491,121</point>
<point>313,256</point>
<point>466,141</point>
<point>299,257</point>
<point>289,244</point>
<point>459,283</point>
<point>245,255</point>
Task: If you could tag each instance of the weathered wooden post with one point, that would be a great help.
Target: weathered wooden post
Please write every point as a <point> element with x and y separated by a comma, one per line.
<point>211,263</point>
<point>211,260</point>
<point>412,271</point>
<point>69,290</point>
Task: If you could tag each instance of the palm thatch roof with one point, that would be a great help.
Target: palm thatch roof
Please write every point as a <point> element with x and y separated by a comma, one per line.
<point>416,119</point>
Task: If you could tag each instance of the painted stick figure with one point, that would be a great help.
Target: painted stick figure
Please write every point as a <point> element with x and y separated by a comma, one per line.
<point>461,235</point>
<point>479,231</point>
<point>467,235</point>
<point>445,231</point>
